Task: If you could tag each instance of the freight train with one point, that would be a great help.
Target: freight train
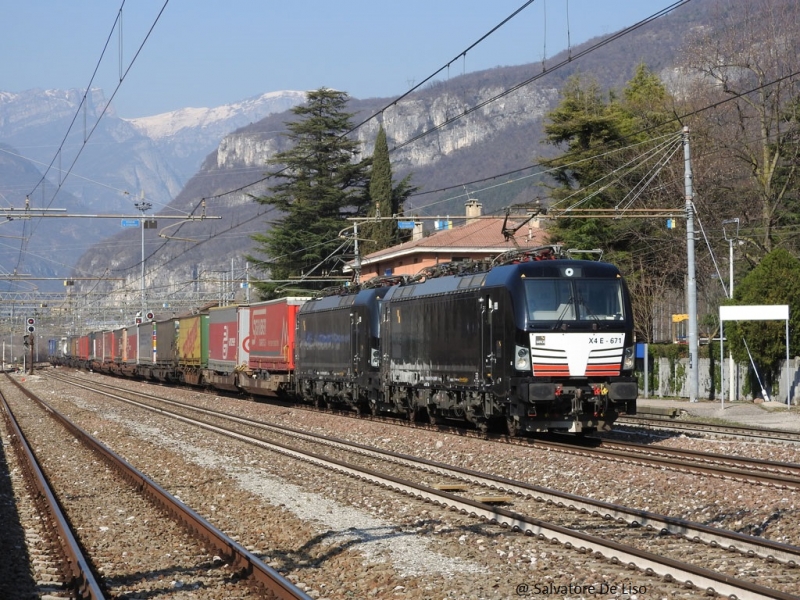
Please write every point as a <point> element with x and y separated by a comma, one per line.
<point>531,341</point>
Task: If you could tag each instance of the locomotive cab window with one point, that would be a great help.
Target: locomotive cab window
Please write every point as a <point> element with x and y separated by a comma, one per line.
<point>574,299</point>
<point>549,300</point>
<point>598,299</point>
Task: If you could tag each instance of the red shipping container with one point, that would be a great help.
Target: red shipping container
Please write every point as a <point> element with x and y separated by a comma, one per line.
<point>131,345</point>
<point>84,347</point>
<point>272,332</point>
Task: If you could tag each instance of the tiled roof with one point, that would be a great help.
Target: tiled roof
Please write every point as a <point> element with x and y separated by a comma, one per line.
<point>482,235</point>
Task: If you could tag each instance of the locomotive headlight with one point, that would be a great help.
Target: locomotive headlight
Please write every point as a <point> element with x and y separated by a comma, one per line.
<point>628,360</point>
<point>375,358</point>
<point>523,359</point>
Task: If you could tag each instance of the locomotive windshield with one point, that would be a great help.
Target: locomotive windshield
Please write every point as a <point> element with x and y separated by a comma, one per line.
<point>574,299</point>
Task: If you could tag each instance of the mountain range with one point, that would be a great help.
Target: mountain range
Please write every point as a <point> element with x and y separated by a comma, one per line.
<point>476,126</point>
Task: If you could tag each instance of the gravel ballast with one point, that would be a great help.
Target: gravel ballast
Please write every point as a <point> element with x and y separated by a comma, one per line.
<point>342,538</point>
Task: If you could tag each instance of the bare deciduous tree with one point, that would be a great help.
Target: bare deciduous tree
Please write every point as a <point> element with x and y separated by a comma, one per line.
<point>747,64</point>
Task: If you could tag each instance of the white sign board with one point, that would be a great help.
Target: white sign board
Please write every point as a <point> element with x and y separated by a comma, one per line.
<point>754,312</point>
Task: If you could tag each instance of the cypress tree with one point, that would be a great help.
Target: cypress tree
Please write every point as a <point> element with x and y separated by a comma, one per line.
<point>385,201</point>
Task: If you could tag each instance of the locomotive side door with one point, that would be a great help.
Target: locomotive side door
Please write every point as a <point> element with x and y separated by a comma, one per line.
<point>355,351</point>
<point>488,307</point>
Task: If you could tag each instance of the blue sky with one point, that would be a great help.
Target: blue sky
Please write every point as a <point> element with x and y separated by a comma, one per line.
<point>204,53</point>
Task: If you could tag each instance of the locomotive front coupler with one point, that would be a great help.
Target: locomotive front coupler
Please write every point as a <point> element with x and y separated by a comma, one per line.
<point>587,400</point>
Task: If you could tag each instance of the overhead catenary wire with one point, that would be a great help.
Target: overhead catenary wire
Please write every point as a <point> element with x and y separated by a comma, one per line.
<point>538,76</point>
<point>88,135</point>
<point>462,184</point>
<point>379,113</point>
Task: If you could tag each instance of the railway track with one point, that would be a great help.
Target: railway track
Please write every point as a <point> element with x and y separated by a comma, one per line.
<point>81,479</point>
<point>763,472</point>
<point>651,423</point>
<point>654,543</point>
<point>57,555</point>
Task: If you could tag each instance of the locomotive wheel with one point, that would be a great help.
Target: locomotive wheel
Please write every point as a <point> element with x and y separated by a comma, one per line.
<point>433,417</point>
<point>512,426</point>
<point>412,414</point>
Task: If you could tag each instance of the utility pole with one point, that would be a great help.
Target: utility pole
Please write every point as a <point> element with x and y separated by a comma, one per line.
<point>143,206</point>
<point>731,364</point>
<point>247,281</point>
<point>691,286</point>
<point>357,259</point>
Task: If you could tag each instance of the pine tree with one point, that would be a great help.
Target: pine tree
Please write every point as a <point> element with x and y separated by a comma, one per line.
<point>590,175</point>
<point>320,183</point>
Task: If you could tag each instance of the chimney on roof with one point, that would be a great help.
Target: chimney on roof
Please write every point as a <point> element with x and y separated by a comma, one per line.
<point>474,210</point>
<point>418,233</point>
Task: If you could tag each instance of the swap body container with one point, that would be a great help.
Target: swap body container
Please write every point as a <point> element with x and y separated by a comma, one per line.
<point>108,347</point>
<point>120,341</point>
<point>271,346</point>
<point>130,354</point>
<point>193,341</point>
<point>228,327</point>
<point>84,348</point>
<point>165,357</point>
<point>95,346</point>
<point>147,343</point>
<point>272,333</point>
<point>167,342</point>
<point>192,348</point>
<point>223,338</point>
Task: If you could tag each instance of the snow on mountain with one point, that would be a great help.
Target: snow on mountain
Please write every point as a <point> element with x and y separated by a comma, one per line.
<point>232,116</point>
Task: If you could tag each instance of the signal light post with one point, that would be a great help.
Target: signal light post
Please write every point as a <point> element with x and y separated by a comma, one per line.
<point>30,340</point>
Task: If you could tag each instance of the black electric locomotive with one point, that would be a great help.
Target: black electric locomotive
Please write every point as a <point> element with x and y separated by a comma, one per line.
<point>535,345</point>
<point>337,346</point>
